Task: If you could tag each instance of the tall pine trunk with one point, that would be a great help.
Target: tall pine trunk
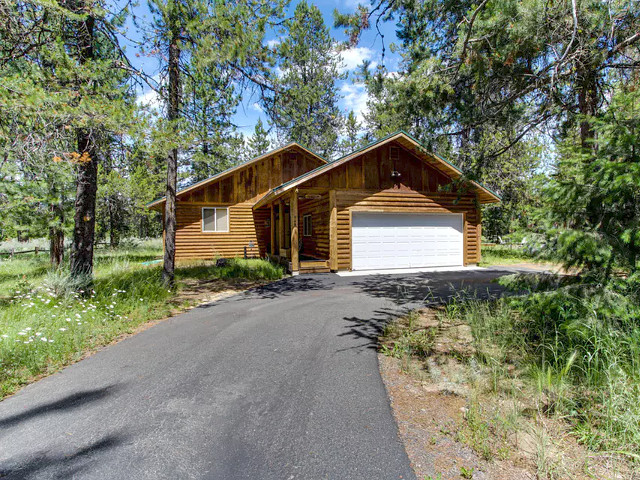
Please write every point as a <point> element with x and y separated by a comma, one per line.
<point>172,158</point>
<point>85,208</point>
<point>86,183</point>
<point>588,105</point>
<point>56,236</point>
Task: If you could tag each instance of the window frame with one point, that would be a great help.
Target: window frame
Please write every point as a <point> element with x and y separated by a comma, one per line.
<point>215,219</point>
<point>304,225</point>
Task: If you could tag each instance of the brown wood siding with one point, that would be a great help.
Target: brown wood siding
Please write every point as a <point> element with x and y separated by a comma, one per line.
<point>239,191</point>
<point>372,170</point>
<point>406,201</point>
<point>317,245</point>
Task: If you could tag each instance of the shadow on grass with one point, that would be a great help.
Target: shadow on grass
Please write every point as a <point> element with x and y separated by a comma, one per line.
<point>29,273</point>
<point>75,400</point>
<point>62,464</point>
<point>106,259</point>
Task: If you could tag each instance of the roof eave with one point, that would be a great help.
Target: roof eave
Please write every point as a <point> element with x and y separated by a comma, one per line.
<point>493,197</point>
<point>219,176</point>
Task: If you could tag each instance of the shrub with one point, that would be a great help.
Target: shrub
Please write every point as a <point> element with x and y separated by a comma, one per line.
<point>578,343</point>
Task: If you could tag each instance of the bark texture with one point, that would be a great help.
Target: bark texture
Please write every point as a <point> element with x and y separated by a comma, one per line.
<point>86,183</point>
<point>168,274</point>
<point>85,208</point>
<point>56,237</point>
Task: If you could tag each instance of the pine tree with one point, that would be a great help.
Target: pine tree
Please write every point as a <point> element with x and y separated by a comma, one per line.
<point>304,107</point>
<point>60,64</point>
<point>478,81</point>
<point>351,136</point>
<point>259,143</point>
<point>210,100</point>
<point>202,34</point>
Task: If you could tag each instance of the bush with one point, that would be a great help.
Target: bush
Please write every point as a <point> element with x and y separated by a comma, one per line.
<point>580,347</point>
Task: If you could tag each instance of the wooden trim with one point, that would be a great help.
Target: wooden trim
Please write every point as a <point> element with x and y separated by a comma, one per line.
<point>465,226</point>
<point>293,212</point>
<point>350,239</point>
<point>333,231</point>
<point>408,144</point>
<point>272,232</point>
<point>281,243</point>
<point>479,235</point>
<point>215,219</point>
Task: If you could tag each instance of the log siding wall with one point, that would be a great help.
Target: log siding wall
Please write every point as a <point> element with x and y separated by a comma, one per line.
<point>239,191</point>
<point>365,184</point>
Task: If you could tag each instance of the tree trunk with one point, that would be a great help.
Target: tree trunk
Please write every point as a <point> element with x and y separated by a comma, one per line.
<point>114,222</point>
<point>56,235</point>
<point>588,105</point>
<point>85,208</point>
<point>172,159</point>
<point>86,183</point>
<point>56,246</point>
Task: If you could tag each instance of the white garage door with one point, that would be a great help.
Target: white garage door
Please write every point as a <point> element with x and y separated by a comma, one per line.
<point>406,240</point>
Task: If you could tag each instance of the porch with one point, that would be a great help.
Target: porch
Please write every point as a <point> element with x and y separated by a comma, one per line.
<point>298,230</point>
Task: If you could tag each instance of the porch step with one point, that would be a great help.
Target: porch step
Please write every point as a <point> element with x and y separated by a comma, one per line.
<point>314,266</point>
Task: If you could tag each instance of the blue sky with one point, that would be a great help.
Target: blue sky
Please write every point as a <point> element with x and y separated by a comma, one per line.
<point>353,94</point>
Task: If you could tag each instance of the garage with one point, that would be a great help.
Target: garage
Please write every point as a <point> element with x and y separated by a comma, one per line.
<point>406,240</point>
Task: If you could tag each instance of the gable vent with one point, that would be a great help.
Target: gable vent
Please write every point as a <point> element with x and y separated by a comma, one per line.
<point>394,154</point>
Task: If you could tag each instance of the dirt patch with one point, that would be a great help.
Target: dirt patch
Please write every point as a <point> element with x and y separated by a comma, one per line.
<point>454,425</point>
<point>194,292</point>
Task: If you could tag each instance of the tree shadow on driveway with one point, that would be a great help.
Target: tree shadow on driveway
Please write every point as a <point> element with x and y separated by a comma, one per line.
<point>75,400</point>
<point>434,288</point>
<point>415,291</point>
<point>368,330</point>
<point>60,465</point>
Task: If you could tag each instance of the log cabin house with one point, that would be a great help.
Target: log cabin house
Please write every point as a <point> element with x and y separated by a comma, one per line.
<point>390,204</point>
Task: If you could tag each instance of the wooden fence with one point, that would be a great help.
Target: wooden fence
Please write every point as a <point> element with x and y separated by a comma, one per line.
<point>38,250</point>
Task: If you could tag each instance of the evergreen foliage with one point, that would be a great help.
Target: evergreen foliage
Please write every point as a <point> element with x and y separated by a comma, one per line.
<point>259,143</point>
<point>304,106</point>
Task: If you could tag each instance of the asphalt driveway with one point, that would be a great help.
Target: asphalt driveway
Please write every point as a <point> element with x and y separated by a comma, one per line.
<point>277,383</point>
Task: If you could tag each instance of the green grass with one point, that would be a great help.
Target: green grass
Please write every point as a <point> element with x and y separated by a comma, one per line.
<point>558,350</point>
<point>45,323</point>
<point>501,255</point>
<point>577,352</point>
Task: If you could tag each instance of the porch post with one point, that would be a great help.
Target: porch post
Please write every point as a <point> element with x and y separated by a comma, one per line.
<point>333,232</point>
<point>272,231</point>
<point>293,211</point>
<point>281,228</point>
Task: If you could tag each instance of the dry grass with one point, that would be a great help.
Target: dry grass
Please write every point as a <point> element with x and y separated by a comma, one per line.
<point>460,418</point>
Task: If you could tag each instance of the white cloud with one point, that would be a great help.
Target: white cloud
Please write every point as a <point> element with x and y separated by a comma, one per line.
<point>274,42</point>
<point>151,100</point>
<point>256,106</point>
<point>352,58</point>
<point>355,98</point>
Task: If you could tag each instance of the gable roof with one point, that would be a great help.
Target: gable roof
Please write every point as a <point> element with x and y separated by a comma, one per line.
<point>235,168</point>
<point>485,195</point>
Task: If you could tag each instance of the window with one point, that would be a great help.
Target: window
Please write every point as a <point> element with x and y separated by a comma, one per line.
<point>215,219</point>
<point>306,225</point>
